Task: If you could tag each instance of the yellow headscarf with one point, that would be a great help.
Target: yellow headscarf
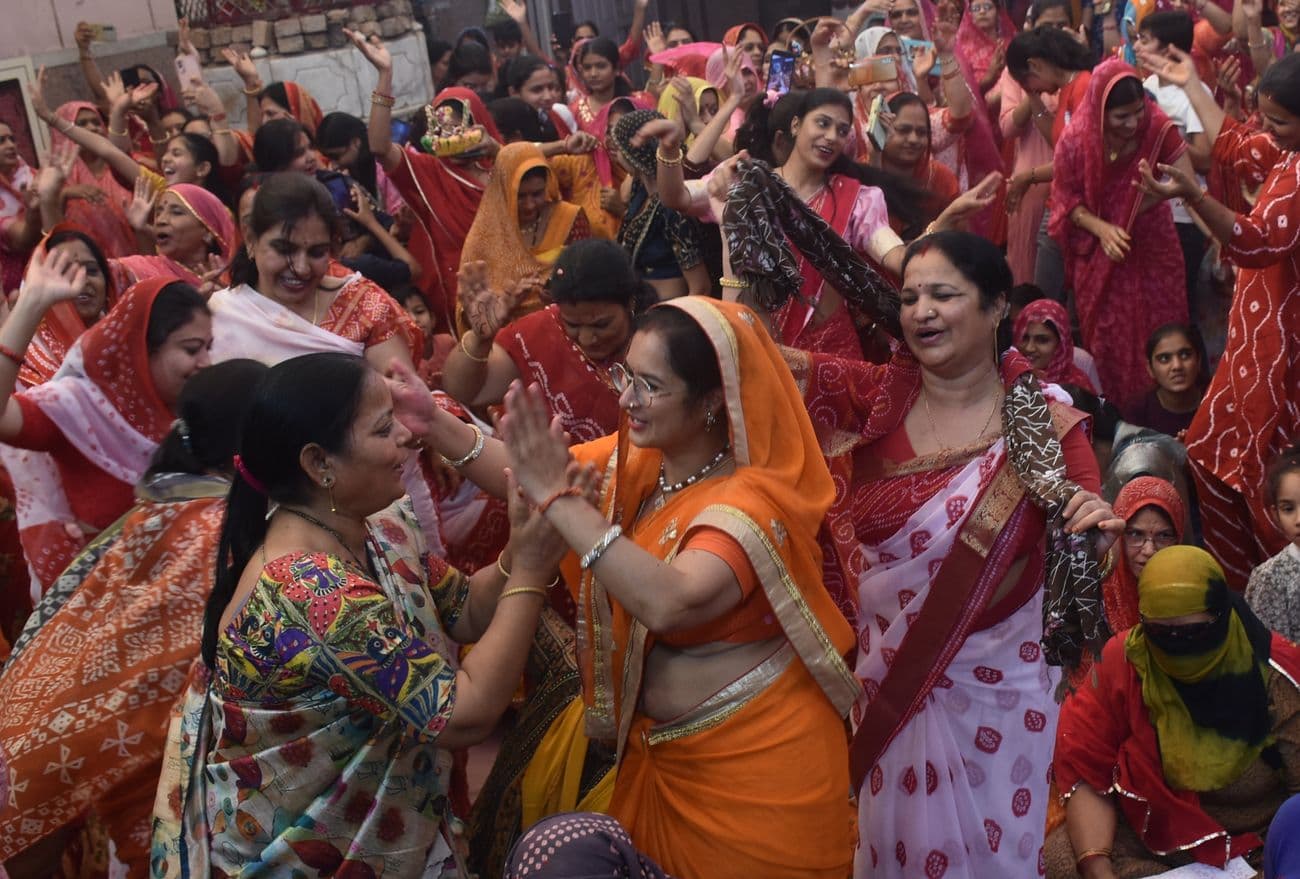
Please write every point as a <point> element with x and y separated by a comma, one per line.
<point>1209,708</point>
<point>671,109</point>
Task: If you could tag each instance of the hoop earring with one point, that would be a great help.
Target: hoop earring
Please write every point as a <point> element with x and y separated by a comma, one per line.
<point>328,482</point>
<point>709,420</point>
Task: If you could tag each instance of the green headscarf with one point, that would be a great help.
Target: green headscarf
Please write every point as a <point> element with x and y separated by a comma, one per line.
<point>1207,697</point>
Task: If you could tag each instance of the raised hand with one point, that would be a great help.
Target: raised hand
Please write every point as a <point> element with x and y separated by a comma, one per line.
<point>36,94</point>
<point>1176,68</point>
<point>824,33</point>
<point>1252,9</point>
<point>202,96</point>
<point>943,33</point>
<point>535,443</point>
<point>363,213</point>
<point>413,404</point>
<point>923,60</point>
<point>668,132</point>
<point>486,310</point>
<point>1228,74</point>
<point>140,212</point>
<point>734,72</point>
<point>517,10</point>
<point>724,176</point>
<point>114,89</point>
<point>56,165</point>
<point>655,42</point>
<point>373,48</point>
<point>684,95</point>
<point>243,65</point>
<point>210,279</point>
<point>84,35</point>
<point>142,97</point>
<point>184,45</point>
<point>51,278</point>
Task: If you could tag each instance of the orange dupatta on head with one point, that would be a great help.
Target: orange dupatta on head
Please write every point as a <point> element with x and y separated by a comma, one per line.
<point>772,506</point>
<point>495,236</point>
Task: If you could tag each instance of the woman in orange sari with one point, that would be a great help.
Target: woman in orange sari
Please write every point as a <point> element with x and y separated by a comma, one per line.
<point>711,654</point>
<point>115,655</point>
<point>521,224</point>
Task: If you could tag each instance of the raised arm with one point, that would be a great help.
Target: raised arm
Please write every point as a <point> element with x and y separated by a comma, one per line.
<point>380,127</point>
<point>84,36</point>
<point>122,164</point>
<point>244,67</point>
<point>518,10</point>
<point>478,372</point>
<point>51,278</point>
<point>1180,70</point>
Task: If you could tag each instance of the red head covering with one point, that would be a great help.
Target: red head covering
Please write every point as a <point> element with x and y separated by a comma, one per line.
<point>106,222</point>
<point>732,36</point>
<point>1119,591</point>
<point>303,106</point>
<point>60,327</point>
<point>115,356</point>
<point>1061,369</point>
<point>596,124</point>
<point>215,216</point>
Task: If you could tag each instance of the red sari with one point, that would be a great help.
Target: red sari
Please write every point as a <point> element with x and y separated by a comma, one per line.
<point>1251,411</point>
<point>1119,304</point>
<point>443,197</point>
<point>105,222</point>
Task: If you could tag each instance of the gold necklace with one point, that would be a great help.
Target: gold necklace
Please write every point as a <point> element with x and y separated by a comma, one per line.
<point>934,428</point>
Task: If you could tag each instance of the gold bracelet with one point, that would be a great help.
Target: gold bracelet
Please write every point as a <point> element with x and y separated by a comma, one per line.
<point>732,283</point>
<point>159,141</point>
<point>469,355</point>
<point>522,590</point>
<point>664,160</point>
<point>502,568</point>
<point>1091,853</point>
<point>67,126</point>
<point>252,93</point>
<point>383,100</point>
<point>122,133</point>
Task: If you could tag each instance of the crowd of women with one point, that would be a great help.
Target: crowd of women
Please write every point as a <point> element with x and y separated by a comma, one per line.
<point>868,450</point>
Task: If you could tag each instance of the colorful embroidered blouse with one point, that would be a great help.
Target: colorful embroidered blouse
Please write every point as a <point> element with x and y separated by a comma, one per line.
<point>329,692</point>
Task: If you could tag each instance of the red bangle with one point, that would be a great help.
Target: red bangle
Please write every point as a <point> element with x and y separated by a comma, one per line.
<point>11,354</point>
<point>571,491</point>
<point>217,117</point>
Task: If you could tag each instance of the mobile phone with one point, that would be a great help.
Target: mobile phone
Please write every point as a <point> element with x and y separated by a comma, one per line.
<point>188,69</point>
<point>877,68</point>
<point>400,131</point>
<point>102,33</point>
<point>780,71</point>
<point>911,47</point>
<point>562,28</point>
<point>876,124</point>
<point>339,186</point>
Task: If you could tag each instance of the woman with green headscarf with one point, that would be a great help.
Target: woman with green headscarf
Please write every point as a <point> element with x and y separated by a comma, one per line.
<point>1186,739</point>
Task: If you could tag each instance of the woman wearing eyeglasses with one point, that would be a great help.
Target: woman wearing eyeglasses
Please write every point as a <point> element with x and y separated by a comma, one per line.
<point>710,651</point>
<point>1185,741</point>
<point>1154,517</point>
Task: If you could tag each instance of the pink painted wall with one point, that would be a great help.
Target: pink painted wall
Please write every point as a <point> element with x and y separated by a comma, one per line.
<point>47,25</point>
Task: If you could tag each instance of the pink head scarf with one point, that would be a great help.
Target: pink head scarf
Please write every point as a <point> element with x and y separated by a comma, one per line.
<point>214,215</point>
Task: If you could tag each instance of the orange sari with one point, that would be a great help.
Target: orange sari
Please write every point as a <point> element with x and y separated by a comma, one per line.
<point>88,690</point>
<point>754,780</point>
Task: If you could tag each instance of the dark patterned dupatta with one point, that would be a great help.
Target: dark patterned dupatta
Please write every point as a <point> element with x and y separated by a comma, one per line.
<point>855,404</point>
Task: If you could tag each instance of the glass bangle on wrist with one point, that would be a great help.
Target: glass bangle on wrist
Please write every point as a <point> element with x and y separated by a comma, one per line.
<point>593,555</point>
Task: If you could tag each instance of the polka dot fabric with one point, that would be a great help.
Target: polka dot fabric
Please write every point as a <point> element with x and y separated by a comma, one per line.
<point>579,845</point>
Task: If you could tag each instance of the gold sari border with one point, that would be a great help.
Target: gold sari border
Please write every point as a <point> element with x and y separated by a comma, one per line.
<point>599,721</point>
<point>722,705</point>
<point>800,625</point>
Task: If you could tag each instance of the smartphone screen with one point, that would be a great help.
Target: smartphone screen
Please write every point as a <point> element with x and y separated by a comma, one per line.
<point>780,72</point>
<point>876,125</point>
<point>562,28</point>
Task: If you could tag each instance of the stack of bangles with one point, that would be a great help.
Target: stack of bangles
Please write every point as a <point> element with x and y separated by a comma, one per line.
<point>472,455</point>
<point>593,555</point>
<point>383,100</point>
<point>666,160</point>
<point>733,283</point>
<point>1088,855</point>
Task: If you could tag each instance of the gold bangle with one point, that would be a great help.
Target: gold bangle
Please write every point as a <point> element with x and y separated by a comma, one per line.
<point>521,590</point>
<point>732,283</point>
<point>1091,853</point>
<point>122,133</point>
<point>383,100</point>
<point>157,141</point>
<point>664,160</point>
<point>472,455</point>
<point>252,93</point>
<point>67,126</point>
<point>469,355</point>
<point>502,568</point>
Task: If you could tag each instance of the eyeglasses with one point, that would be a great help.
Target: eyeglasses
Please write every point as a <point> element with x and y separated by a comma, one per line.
<point>1184,632</point>
<point>1159,539</point>
<point>642,394</point>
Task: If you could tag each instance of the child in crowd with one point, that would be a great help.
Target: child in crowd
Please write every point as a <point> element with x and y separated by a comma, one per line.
<point>1274,588</point>
<point>1174,362</point>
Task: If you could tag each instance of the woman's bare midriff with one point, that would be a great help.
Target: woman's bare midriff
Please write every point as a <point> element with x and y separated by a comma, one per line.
<point>678,679</point>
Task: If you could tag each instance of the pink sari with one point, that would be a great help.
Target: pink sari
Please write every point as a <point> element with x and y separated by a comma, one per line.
<point>209,211</point>
<point>1119,304</point>
<point>11,210</point>
<point>596,122</point>
<point>105,222</point>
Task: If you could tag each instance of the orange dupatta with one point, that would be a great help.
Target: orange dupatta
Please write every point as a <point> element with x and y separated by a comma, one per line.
<point>495,237</point>
<point>772,506</point>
